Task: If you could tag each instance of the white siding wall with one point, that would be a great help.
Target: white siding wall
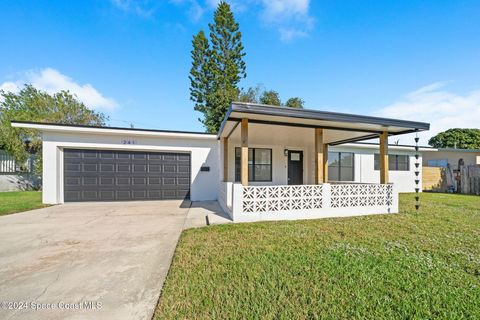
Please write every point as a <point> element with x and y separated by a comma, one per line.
<point>204,152</point>
<point>364,167</point>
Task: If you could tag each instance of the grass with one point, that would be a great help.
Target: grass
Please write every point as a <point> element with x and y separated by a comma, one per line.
<point>12,202</point>
<point>402,266</point>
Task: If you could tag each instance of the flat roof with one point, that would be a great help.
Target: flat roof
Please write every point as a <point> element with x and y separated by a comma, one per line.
<point>457,150</point>
<point>58,127</point>
<point>361,127</point>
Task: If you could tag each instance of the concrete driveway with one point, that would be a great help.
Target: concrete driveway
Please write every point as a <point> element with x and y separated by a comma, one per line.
<point>88,260</point>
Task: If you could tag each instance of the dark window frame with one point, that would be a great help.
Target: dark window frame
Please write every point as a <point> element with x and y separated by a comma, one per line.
<point>340,166</point>
<point>237,165</point>
<point>376,162</point>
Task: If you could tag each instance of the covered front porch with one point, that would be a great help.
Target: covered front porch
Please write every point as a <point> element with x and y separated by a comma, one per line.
<point>276,163</point>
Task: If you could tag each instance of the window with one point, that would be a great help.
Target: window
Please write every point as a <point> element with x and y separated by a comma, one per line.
<point>259,164</point>
<point>340,166</point>
<point>442,163</point>
<point>396,162</point>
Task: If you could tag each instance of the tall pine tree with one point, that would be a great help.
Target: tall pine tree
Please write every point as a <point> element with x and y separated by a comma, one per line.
<point>217,68</point>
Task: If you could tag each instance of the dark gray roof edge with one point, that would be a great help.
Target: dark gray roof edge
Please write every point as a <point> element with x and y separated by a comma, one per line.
<point>323,115</point>
<point>114,128</point>
<point>393,145</point>
<point>458,150</point>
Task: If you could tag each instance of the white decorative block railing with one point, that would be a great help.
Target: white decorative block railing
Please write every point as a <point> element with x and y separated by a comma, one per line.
<point>254,203</point>
<point>282,198</point>
<point>361,195</point>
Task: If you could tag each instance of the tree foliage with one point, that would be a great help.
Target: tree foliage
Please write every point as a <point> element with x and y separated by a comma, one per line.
<point>270,97</point>
<point>251,95</point>
<point>295,102</point>
<point>217,67</point>
<point>259,94</point>
<point>457,138</point>
<point>31,104</point>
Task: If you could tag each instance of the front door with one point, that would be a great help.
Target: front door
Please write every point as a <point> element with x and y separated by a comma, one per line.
<point>295,167</point>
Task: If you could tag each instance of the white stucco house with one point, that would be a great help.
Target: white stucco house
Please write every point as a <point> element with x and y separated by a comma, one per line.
<point>265,163</point>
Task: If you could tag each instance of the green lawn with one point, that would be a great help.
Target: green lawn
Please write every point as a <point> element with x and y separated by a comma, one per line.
<point>402,266</point>
<point>11,202</point>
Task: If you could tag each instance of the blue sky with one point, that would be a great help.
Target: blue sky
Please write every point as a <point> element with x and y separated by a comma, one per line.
<point>408,59</point>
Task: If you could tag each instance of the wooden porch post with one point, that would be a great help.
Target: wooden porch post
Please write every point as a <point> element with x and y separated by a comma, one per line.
<point>384,157</point>
<point>244,154</point>
<point>325,163</point>
<point>319,156</point>
<point>225,159</point>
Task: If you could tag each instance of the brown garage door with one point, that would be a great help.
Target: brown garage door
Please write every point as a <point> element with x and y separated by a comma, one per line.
<point>107,175</point>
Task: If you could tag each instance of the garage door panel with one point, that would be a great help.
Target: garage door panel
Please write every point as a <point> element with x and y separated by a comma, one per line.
<point>107,167</point>
<point>140,168</point>
<point>123,195</point>
<point>183,168</point>
<point>139,194</point>
<point>90,195</point>
<point>183,181</point>
<point>90,154</point>
<point>73,167</point>
<point>90,181</point>
<point>90,167</point>
<point>122,181</point>
<point>107,195</point>
<point>123,168</point>
<point>106,155</point>
<point>72,154</point>
<point>139,181</point>
<point>73,195</point>
<point>107,181</point>
<point>109,175</point>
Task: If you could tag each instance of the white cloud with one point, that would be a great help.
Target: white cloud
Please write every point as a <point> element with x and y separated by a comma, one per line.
<point>279,9</point>
<point>143,8</point>
<point>291,18</point>
<point>287,35</point>
<point>437,106</point>
<point>52,81</point>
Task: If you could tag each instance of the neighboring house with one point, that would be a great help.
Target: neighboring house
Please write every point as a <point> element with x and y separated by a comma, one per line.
<point>440,157</point>
<point>296,163</point>
<point>15,176</point>
<point>441,168</point>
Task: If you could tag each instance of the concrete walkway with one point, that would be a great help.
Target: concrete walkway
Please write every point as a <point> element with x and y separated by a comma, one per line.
<point>204,213</point>
<point>88,260</point>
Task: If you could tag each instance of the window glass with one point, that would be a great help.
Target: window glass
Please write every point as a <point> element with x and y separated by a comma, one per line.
<point>396,162</point>
<point>402,163</point>
<point>262,173</point>
<point>263,156</point>
<point>346,159</point>
<point>392,162</point>
<point>333,173</point>
<point>346,174</point>
<point>376,160</point>
<point>333,159</point>
<point>250,157</point>
<point>340,166</point>
<point>259,164</point>
<point>295,156</point>
<point>443,163</point>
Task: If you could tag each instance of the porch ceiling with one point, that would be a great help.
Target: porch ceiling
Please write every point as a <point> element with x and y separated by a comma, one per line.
<point>340,127</point>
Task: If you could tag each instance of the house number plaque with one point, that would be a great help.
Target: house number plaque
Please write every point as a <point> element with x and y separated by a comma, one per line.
<point>128,141</point>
